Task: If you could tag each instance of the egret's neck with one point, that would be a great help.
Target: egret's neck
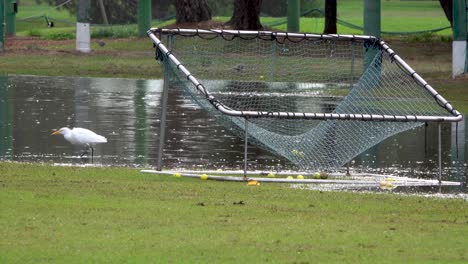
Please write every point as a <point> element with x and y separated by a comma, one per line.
<point>66,132</point>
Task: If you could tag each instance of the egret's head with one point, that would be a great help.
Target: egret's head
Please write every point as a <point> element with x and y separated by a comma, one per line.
<point>60,131</point>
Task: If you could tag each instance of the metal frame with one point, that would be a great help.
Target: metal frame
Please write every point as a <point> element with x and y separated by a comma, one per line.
<point>366,180</point>
<point>454,116</point>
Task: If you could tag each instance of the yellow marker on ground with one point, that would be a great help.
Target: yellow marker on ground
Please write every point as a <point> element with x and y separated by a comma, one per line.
<point>252,182</point>
<point>204,176</point>
<point>387,184</point>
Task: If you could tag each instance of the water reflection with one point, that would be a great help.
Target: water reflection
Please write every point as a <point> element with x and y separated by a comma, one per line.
<point>127,113</point>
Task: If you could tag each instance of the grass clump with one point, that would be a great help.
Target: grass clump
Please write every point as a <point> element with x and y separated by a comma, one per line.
<point>122,31</point>
<point>76,215</point>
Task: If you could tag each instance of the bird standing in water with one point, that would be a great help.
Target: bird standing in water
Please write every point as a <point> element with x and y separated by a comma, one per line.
<point>81,137</point>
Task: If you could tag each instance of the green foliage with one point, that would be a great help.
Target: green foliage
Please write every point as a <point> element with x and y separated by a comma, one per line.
<point>430,37</point>
<point>33,32</point>
<point>60,36</point>
<point>424,37</point>
<point>124,31</point>
<point>446,38</point>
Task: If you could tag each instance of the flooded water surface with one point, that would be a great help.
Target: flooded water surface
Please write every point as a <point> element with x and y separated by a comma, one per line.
<point>127,112</point>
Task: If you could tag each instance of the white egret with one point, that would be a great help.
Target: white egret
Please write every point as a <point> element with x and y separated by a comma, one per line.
<point>81,137</point>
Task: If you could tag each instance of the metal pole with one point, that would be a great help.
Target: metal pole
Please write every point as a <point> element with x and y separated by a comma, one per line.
<point>440,152</point>
<point>2,24</point>
<point>273,63</point>
<point>458,148</point>
<point>11,9</point>
<point>245,148</point>
<point>162,127</point>
<point>460,37</point>
<point>371,27</point>
<point>144,17</point>
<point>83,35</point>
<point>347,169</point>
<point>372,18</point>
<point>294,10</point>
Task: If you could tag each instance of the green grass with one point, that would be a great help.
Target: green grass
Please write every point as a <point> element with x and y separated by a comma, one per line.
<point>397,16</point>
<point>81,65</point>
<point>32,16</point>
<point>84,215</point>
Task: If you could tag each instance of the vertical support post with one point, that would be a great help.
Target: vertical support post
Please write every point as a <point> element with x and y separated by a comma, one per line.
<point>440,151</point>
<point>353,47</point>
<point>459,150</point>
<point>11,9</point>
<point>347,169</point>
<point>460,38</point>
<point>2,24</point>
<point>372,18</point>
<point>294,10</point>
<point>144,17</point>
<point>83,35</point>
<point>273,63</point>
<point>246,138</point>
<point>162,127</point>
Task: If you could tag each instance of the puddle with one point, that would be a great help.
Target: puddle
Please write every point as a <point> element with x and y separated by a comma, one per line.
<point>127,113</point>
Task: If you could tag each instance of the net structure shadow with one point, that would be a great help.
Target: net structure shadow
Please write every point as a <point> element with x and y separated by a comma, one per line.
<point>316,100</point>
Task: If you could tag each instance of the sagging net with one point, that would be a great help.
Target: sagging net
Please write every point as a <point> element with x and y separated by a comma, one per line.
<point>270,73</point>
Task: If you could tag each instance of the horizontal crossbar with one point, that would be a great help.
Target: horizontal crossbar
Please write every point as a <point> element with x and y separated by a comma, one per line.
<point>454,117</point>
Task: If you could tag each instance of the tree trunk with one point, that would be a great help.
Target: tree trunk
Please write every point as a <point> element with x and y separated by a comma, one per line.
<point>330,17</point>
<point>447,6</point>
<point>192,11</point>
<point>246,15</point>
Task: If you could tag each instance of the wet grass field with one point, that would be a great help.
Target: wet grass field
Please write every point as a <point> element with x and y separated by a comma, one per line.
<point>76,215</point>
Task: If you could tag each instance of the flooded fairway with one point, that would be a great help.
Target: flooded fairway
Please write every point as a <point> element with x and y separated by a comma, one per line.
<point>127,113</point>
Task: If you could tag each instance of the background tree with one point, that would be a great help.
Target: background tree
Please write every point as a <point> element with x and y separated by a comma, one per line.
<point>192,11</point>
<point>330,17</point>
<point>246,15</point>
<point>447,6</point>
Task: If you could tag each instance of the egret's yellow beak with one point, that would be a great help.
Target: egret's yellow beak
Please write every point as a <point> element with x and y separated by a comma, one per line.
<point>56,132</point>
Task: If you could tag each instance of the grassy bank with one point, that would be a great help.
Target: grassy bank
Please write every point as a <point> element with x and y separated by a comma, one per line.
<point>76,215</point>
<point>71,64</point>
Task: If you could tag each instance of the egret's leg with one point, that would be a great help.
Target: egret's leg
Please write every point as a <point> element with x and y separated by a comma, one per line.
<point>92,154</point>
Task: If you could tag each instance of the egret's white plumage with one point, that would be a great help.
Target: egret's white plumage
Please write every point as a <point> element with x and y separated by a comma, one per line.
<point>81,137</point>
